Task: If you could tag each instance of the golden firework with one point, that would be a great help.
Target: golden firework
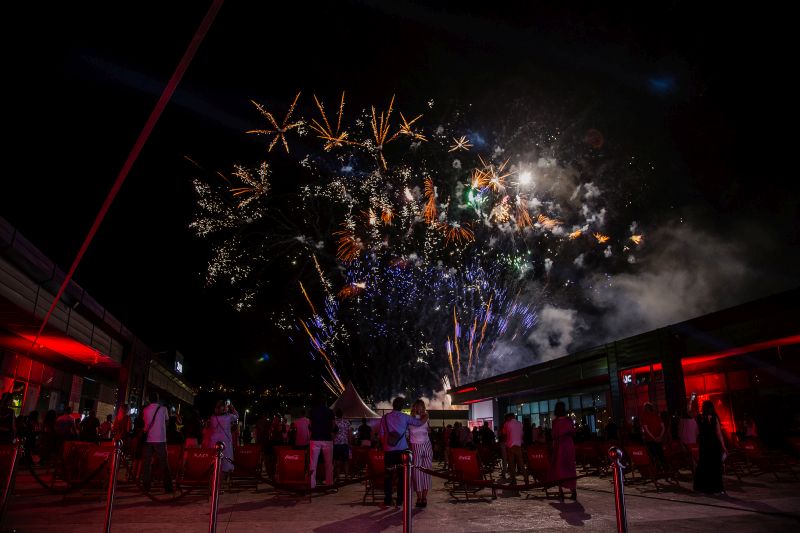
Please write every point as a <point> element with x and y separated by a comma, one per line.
<point>502,211</point>
<point>456,233</point>
<point>601,238</point>
<point>405,128</point>
<point>278,131</point>
<point>430,205</point>
<point>333,138</point>
<point>387,215</point>
<point>575,234</point>
<point>523,217</point>
<point>349,245</point>
<point>637,239</point>
<point>254,186</point>
<point>547,222</point>
<point>462,143</point>
<point>492,176</point>
<point>380,130</point>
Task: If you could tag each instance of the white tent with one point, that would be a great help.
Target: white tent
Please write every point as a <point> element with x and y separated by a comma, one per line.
<point>352,406</point>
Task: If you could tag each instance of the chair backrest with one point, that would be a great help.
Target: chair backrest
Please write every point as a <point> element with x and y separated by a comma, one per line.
<point>96,456</point>
<point>198,465</point>
<point>538,458</point>
<point>465,464</point>
<point>246,459</point>
<point>7,452</point>
<point>638,454</point>
<point>752,448</point>
<point>375,465</point>
<point>292,466</point>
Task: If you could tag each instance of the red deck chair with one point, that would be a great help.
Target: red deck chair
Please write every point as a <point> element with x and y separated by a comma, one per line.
<point>174,461</point>
<point>247,462</point>
<point>96,457</point>
<point>467,470</point>
<point>292,469</point>
<point>197,468</point>
<point>375,473</point>
<point>639,459</point>
<point>358,461</point>
<point>272,459</point>
<point>764,460</point>
<point>588,456</point>
<point>538,465</point>
<point>73,466</point>
<point>7,452</point>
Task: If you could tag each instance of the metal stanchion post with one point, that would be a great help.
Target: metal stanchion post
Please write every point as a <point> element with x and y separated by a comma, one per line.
<point>9,481</point>
<point>216,481</point>
<point>408,461</point>
<point>615,454</point>
<point>112,483</point>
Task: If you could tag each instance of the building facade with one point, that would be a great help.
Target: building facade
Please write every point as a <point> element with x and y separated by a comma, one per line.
<point>85,358</point>
<point>745,359</point>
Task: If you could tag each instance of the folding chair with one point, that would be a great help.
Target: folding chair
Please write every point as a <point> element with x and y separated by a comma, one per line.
<point>7,454</point>
<point>292,470</point>
<point>174,462</point>
<point>641,462</point>
<point>467,470</point>
<point>375,474</point>
<point>272,458</point>
<point>96,457</point>
<point>247,463</point>
<point>197,467</point>
<point>538,465</point>
<point>358,461</point>
<point>73,465</point>
<point>764,460</point>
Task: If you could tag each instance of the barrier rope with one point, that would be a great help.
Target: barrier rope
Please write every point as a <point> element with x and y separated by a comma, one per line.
<point>292,488</point>
<point>487,483</point>
<point>137,483</point>
<point>702,504</point>
<point>70,486</point>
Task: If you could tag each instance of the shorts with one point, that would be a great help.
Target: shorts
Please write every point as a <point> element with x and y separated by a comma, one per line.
<point>341,452</point>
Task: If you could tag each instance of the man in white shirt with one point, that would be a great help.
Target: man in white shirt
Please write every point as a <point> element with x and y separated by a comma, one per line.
<point>155,418</point>
<point>512,431</point>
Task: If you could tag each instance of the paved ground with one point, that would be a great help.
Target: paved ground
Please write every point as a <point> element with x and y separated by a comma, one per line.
<point>755,504</point>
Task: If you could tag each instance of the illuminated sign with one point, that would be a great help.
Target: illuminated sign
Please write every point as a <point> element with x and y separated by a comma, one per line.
<point>627,379</point>
<point>178,367</point>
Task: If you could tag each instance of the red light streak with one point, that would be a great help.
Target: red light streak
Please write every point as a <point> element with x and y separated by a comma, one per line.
<point>134,153</point>
<point>757,347</point>
<point>468,389</point>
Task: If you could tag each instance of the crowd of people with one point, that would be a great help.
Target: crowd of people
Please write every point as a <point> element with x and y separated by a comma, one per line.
<point>329,437</point>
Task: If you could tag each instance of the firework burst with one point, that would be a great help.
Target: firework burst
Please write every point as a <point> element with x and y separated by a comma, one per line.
<point>278,132</point>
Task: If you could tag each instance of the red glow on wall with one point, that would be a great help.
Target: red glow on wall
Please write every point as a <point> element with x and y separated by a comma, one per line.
<point>757,347</point>
<point>62,345</point>
<point>476,401</point>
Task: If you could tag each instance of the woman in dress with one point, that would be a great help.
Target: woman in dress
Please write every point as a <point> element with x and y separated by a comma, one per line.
<point>423,454</point>
<point>562,464</point>
<point>711,445</point>
<point>219,430</point>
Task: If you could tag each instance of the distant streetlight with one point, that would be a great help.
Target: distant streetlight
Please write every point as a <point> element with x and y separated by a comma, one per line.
<point>245,417</point>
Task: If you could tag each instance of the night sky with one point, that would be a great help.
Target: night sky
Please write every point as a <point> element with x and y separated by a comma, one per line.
<point>699,94</point>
